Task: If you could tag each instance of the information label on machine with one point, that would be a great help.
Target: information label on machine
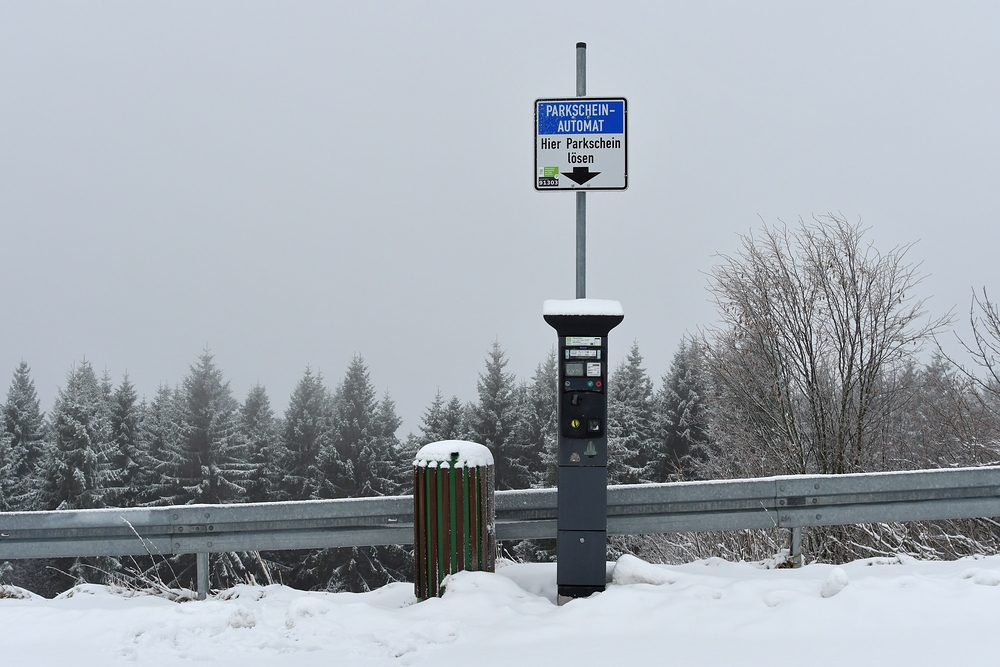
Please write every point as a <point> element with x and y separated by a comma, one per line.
<point>583,354</point>
<point>581,144</point>
<point>583,341</point>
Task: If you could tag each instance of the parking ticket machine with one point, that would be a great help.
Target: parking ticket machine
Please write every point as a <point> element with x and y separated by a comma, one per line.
<point>582,326</point>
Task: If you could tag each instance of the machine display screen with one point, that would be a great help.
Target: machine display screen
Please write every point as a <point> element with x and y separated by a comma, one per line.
<point>574,370</point>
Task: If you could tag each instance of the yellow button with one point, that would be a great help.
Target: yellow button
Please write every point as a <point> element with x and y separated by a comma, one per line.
<point>575,423</point>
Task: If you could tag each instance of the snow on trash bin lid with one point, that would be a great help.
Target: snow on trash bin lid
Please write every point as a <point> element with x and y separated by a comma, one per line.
<point>470,454</point>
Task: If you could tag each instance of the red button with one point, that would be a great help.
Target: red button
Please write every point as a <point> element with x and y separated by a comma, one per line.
<point>598,383</point>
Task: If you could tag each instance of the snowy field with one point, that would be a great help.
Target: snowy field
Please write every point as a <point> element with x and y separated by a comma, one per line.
<point>872,612</point>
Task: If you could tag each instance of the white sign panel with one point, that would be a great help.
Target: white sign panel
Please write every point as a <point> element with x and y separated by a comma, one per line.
<point>581,143</point>
<point>581,341</point>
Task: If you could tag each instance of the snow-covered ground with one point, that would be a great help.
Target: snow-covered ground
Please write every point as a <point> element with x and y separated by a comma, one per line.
<point>872,612</point>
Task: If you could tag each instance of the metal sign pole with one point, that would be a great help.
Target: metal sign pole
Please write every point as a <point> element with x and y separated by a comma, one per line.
<point>580,144</point>
<point>581,197</point>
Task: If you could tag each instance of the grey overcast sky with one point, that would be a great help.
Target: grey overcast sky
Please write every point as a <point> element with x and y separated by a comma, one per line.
<point>293,183</point>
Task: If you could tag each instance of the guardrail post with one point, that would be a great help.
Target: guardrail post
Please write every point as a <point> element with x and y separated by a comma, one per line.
<point>202,575</point>
<point>795,552</point>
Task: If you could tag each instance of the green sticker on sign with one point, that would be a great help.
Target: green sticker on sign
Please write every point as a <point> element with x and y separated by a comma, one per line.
<point>588,341</point>
<point>550,172</point>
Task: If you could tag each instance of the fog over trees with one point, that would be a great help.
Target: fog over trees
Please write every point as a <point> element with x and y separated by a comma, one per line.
<point>822,360</point>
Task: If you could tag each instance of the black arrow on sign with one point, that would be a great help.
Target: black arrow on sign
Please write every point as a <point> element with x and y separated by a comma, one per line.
<point>580,175</point>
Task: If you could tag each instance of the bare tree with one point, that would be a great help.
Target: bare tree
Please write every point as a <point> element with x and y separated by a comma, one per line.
<point>984,349</point>
<point>816,328</point>
<point>980,418</point>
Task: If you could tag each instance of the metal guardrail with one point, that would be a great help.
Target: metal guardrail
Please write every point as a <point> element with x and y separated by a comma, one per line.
<point>784,502</point>
<point>186,529</point>
<point>773,502</point>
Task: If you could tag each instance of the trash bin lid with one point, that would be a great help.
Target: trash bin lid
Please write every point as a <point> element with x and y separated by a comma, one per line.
<point>470,454</point>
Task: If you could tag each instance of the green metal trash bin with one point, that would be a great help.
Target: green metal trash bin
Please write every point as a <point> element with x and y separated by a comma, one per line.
<point>454,515</point>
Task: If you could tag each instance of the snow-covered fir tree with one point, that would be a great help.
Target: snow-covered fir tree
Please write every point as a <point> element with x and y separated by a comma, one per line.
<point>378,470</point>
<point>391,467</point>
<point>537,428</point>
<point>77,466</point>
<point>456,423</point>
<point>76,462</point>
<point>442,421</point>
<point>681,421</point>
<point>259,433</point>
<point>107,390</point>
<point>630,411</point>
<point>159,431</point>
<point>307,432</point>
<point>127,454</point>
<point>202,461</point>
<point>24,423</point>
<point>207,464</point>
<point>495,419</point>
<point>361,460</point>
<point>364,444</point>
<point>432,422</point>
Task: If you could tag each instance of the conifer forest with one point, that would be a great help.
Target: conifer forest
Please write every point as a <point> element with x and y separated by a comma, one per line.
<point>822,361</point>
